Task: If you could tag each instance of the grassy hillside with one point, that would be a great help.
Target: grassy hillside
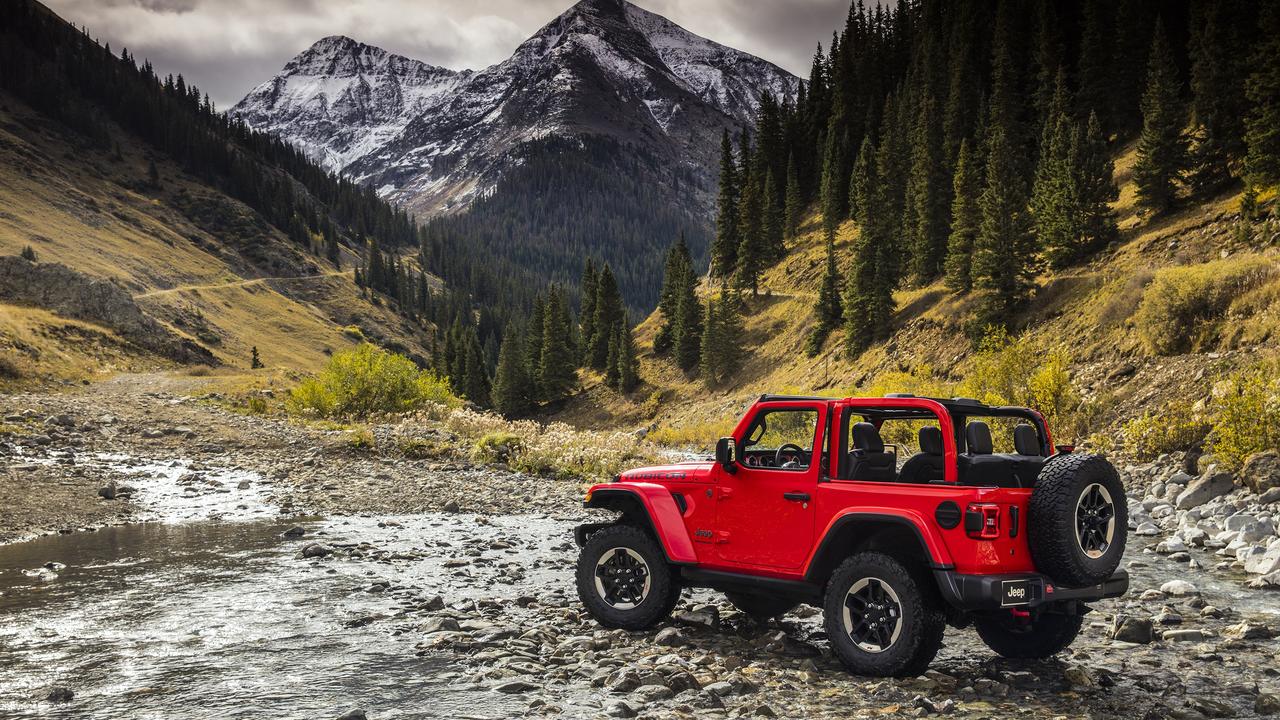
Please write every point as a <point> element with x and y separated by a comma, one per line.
<point>205,265</point>
<point>1089,314</point>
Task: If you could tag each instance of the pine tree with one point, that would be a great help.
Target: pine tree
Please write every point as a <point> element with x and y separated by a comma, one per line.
<point>153,173</point>
<point>475,384</point>
<point>556,376</point>
<point>1053,196</point>
<point>925,219</point>
<point>751,240</point>
<point>1095,185</point>
<point>512,384</point>
<point>533,344</point>
<point>1162,148</point>
<point>828,311</point>
<point>1003,265</point>
<point>1094,68</point>
<point>688,329</point>
<point>679,273</point>
<point>255,361</point>
<point>28,253</point>
<point>608,312</point>
<point>615,351</point>
<point>721,354</point>
<point>773,229</point>
<point>966,217</point>
<point>868,294</point>
<point>627,375</point>
<point>794,201</point>
<point>1262,126</point>
<point>587,291</point>
<point>834,202</point>
<point>1218,104</point>
<point>860,184</point>
<point>724,251</point>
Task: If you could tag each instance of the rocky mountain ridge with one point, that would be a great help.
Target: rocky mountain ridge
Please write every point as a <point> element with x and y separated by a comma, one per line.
<point>433,139</point>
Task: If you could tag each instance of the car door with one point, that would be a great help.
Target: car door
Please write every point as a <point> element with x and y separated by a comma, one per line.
<point>764,512</point>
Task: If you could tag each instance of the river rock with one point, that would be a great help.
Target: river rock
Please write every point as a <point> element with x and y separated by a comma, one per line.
<point>619,709</point>
<point>1266,704</point>
<point>671,637</point>
<point>60,694</point>
<point>356,714</point>
<point>1132,629</point>
<point>296,531</point>
<point>108,491</point>
<point>316,550</point>
<point>515,687</point>
<point>1263,563</point>
<point>1188,635</point>
<point>1179,588</point>
<point>1211,485</point>
<point>1261,471</point>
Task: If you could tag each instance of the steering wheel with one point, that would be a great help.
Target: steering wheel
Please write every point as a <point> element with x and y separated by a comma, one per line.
<point>777,456</point>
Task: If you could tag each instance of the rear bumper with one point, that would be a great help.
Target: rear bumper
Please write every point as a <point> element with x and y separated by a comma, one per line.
<point>992,592</point>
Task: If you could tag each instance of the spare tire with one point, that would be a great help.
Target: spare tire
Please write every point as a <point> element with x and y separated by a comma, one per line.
<point>1078,520</point>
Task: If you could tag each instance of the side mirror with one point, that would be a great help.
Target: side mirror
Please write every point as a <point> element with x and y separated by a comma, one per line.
<point>726,451</point>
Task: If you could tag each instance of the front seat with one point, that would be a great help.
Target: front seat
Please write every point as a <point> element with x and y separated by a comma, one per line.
<point>927,465</point>
<point>978,466</point>
<point>867,459</point>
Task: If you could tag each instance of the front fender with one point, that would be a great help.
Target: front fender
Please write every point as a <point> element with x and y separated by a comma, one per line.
<point>657,506</point>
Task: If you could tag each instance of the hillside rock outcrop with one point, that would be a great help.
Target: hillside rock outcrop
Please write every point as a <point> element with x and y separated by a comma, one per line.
<point>71,294</point>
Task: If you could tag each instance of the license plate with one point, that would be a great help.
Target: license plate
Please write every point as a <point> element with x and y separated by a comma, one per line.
<point>1015,592</point>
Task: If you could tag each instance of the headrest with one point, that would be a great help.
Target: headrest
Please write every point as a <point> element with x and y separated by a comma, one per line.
<point>930,440</point>
<point>1026,440</point>
<point>978,437</point>
<point>867,438</point>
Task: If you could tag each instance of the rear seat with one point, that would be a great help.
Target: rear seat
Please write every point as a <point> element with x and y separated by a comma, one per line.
<point>978,466</point>
<point>1029,458</point>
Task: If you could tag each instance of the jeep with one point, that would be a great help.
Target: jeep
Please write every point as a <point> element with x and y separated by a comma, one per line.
<point>807,503</point>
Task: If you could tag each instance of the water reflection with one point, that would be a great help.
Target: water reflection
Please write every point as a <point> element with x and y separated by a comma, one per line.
<point>205,620</point>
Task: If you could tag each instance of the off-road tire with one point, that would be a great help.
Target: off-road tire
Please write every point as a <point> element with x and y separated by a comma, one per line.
<point>1047,635</point>
<point>1052,522</point>
<point>922,621</point>
<point>664,586</point>
<point>760,607</point>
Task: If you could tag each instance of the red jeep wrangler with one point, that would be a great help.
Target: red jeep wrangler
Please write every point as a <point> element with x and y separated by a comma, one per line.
<point>807,503</point>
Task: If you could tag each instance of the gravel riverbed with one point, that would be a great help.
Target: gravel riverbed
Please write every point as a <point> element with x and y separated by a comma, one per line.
<point>455,583</point>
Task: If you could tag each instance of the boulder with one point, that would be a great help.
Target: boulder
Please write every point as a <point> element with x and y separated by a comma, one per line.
<point>1179,588</point>
<point>315,550</point>
<point>1261,471</point>
<point>60,694</point>
<point>1263,563</point>
<point>1212,484</point>
<point>1132,629</point>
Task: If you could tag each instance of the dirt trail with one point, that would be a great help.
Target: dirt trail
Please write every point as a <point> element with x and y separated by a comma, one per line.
<point>241,283</point>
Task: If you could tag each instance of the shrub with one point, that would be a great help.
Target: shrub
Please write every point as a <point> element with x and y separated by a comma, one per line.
<point>354,333</point>
<point>365,381</point>
<point>1180,306</point>
<point>497,446</point>
<point>1246,416</point>
<point>1175,427</point>
<point>361,438</point>
<point>423,448</point>
<point>700,435</point>
<point>9,369</point>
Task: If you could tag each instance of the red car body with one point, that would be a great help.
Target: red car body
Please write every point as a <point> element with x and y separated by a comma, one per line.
<point>737,525</point>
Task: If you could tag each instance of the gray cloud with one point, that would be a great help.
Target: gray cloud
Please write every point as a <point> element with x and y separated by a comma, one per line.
<point>229,46</point>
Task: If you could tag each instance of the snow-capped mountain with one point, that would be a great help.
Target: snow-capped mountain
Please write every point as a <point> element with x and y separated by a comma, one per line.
<point>433,139</point>
<point>341,99</point>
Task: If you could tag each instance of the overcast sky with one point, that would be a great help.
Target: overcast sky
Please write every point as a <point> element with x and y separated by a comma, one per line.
<point>229,46</point>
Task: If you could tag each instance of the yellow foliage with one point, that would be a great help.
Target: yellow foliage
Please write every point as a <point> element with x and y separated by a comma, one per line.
<point>1175,427</point>
<point>366,381</point>
<point>1180,307</point>
<point>693,435</point>
<point>1246,416</point>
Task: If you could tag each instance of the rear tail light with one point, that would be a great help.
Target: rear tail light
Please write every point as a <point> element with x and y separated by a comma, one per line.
<point>1065,449</point>
<point>982,521</point>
